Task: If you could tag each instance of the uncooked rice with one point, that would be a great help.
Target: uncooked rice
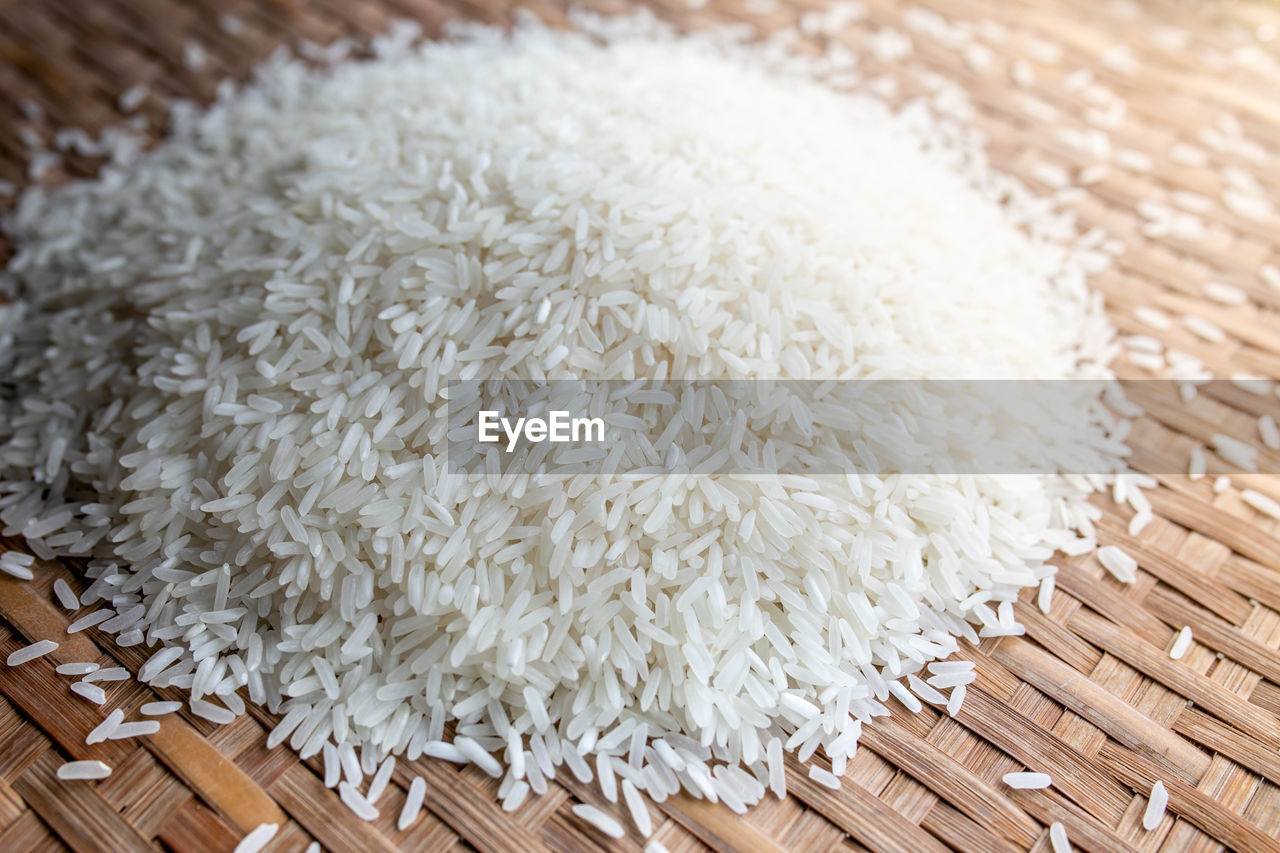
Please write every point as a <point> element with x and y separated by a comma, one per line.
<point>1027,781</point>
<point>824,777</point>
<point>106,728</point>
<point>1196,465</point>
<point>381,779</point>
<point>65,595</point>
<point>1269,432</point>
<point>142,728</point>
<point>413,803</point>
<point>156,709</point>
<point>636,807</point>
<point>111,673</point>
<point>1235,451</point>
<point>1227,294</point>
<point>30,653</point>
<point>83,770</point>
<point>292,278</point>
<point>1262,503</point>
<point>257,839</point>
<point>1122,566</point>
<point>1157,801</point>
<point>17,564</point>
<point>356,801</point>
<point>599,820</point>
<point>77,668</point>
<point>92,692</point>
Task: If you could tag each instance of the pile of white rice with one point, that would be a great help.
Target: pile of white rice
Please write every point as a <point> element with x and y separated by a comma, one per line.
<point>222,373</point>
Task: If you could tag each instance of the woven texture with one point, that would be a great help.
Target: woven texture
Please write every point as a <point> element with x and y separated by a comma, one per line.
<point>1089,695</point>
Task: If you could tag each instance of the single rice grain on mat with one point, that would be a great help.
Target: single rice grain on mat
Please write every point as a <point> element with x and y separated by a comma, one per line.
<point>1202,328</point>
<point>599,820</point>
<point>1157,801</point>
<point>380,780</point>
<point>1269,432</point>
<point>356,801</point>
<point>1197,464</point>
<point>1227,294</point>
<point>413,803</point>
<point>142,728</point>
<point>1235,451</point>
<point>1058,838</point>
<point>1121,566</point>
<point>1262,503</point>
<point>1027,781</point>
<point>89,620</point>
<point>83,770</point>
<point>1153,317</point>
<point>92,692</point>
<point>77,668</point>
<point>636,807</point>
<point>257,839</point>
<point>824,777</point>
<point>65,595</point>
<point>31,652</point>
<point>110,673</point>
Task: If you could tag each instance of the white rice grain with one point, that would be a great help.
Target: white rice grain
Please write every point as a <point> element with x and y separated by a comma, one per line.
<point>92,692</point>
<point>142,728</point>
<point>211,712</point>
<point>1058,838</point>
<point>1027,781</point>
<point>380,780</point>
<point>258,838</point>
<point>83,770</point>
<point>76,668</point>
<point>599,820</point>
<point>1235,451</point>
<point>31,652</point>
<point>1121,566</point>
<point>1269,432</point>
<point>825,778</point>
<point>17,564</point>
<point>412,803</point>
<point>1202,328</point>
<point>106,728</point>
<point>1227,294</point>
<point>636,807</point>
<point>65,595</point>
<point>355,801</point>
<point>1157,802</point>
<point>1196,466</point>
<point>1262,503</point>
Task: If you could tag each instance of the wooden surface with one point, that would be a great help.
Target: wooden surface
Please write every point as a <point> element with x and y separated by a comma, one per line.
<point>1090,695</point>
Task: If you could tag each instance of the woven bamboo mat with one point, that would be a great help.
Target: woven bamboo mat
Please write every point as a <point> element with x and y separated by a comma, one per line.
<point>1089,695</point>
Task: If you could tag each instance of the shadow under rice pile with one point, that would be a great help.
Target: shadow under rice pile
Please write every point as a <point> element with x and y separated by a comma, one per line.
<point>224,363</point>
